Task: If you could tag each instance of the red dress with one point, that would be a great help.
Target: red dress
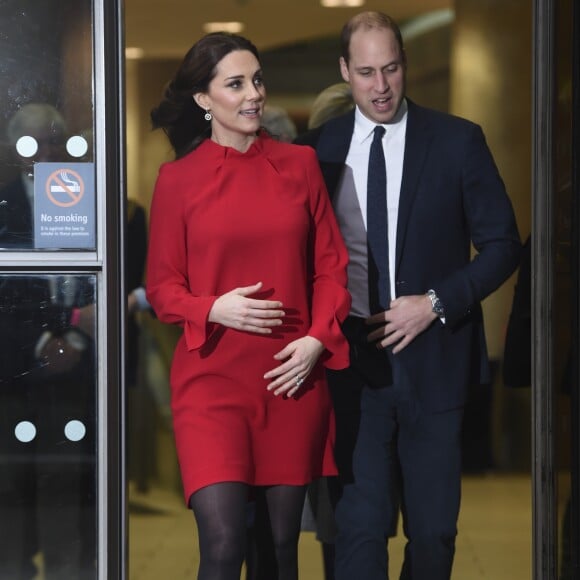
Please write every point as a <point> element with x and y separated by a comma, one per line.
<point>221,219</point>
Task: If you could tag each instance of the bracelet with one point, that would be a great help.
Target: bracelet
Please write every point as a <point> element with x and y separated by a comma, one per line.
<point>75,317</point>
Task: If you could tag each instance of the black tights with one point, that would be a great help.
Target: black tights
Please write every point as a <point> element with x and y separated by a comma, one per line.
<point>221,514</point>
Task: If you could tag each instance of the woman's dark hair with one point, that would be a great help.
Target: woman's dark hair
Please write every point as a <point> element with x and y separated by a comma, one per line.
<point>177,113</point>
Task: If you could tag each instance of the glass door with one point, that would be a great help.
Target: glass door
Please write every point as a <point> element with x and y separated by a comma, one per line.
<point>60,371</point>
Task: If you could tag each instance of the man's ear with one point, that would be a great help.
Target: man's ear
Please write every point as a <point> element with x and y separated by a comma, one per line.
<point>344,69</point>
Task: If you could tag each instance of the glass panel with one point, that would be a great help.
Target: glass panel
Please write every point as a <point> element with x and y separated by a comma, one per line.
<point>47,193</point>
<point>48,356</point>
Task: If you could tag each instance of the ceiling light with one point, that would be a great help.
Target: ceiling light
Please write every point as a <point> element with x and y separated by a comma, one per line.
<point>342,3</point>
<point>234,27</point>
<point>134,52</point>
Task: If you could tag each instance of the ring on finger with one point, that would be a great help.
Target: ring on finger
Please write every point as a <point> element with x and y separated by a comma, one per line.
<point>298,381</point>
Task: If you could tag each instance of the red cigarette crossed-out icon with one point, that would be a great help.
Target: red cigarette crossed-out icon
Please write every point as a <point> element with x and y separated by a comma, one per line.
<point>65,187</point>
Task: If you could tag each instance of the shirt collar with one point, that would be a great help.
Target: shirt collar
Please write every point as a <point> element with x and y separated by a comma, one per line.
<point>364,127</point>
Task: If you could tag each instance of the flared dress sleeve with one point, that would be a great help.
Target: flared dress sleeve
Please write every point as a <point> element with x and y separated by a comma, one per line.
<point>330,299</point>
<point>168,290</point>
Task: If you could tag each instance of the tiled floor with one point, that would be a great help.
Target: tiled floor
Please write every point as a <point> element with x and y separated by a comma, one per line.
<point>494,539</point>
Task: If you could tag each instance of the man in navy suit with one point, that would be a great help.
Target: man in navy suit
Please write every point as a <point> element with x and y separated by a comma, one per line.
<point>399,406</point>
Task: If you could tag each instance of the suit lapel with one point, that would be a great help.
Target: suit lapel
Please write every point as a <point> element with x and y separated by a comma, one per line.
<point>417,142</point>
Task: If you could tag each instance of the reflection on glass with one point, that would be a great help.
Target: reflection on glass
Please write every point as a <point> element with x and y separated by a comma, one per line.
<point>47,426</point>
<point>37,132</point>
<point>46,116</point>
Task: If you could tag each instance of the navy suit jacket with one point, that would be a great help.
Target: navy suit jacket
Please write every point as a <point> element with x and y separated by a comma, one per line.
<point>452,196</point>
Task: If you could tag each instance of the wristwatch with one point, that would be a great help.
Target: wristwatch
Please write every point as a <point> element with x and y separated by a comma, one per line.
<point>436,304</point>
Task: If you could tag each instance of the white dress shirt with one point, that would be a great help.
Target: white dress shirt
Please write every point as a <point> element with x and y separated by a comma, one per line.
<point>350,201</point>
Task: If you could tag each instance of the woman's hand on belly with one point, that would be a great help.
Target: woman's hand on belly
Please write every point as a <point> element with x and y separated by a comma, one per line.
<point>299,358</point>
<point>236,310</point>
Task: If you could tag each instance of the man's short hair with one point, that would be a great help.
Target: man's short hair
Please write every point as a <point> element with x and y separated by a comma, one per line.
<point>368,20</point>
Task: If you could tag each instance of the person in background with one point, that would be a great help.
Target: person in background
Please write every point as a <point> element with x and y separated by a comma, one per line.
<point>517,354</point>
<point>140,416</point>
<point>135,256</point>
<point>278,123</point>
<point>412,189</point>
<point>331,102</point>
<point>246,255</point>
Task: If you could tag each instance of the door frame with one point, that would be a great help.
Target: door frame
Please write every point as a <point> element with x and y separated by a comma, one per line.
<point>110,164</point>
<point>545,387</point>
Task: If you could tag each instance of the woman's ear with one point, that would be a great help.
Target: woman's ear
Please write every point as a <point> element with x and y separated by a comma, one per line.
<point>202,100</point>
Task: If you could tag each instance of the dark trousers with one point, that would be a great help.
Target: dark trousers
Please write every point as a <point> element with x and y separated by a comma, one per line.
<point>389,450</point>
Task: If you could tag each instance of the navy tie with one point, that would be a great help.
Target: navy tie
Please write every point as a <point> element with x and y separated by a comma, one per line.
<point>377,227</point>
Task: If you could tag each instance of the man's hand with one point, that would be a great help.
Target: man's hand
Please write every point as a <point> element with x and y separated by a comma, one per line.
<point>408,317</point>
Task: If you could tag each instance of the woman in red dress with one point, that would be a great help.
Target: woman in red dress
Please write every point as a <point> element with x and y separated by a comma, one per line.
<point>245,254</point>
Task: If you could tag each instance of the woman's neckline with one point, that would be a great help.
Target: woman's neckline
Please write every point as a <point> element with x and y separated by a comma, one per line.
<point>247,145</point>
<point>229,150</point>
